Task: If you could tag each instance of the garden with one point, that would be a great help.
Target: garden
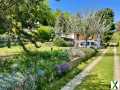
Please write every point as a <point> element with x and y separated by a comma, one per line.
<point>40,69</point>
<point>34,55</point>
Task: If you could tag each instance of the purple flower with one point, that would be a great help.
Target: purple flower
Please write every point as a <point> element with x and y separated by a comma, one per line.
<point>62,68</point>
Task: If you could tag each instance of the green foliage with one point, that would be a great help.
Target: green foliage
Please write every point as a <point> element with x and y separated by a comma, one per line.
<point>2,31</point>
<point>26,13</point>
<point>38,12</point>
<point>33,62</point>
<point>88,54</point>
<point>45,33</point>
<point>62,24</point>
<point>107,15</point>
<point>59,42</point>
<point>29,64</point>
<point>43,58</point>
<point>2,44</point>
<point>80,64</point>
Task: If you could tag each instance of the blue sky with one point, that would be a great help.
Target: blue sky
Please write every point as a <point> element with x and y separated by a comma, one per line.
<point>74,6</point>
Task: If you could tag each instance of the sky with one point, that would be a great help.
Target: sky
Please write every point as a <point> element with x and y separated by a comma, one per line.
<point>75,6</point>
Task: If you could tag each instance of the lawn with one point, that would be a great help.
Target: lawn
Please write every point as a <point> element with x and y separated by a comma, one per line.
<point>116,38</point>
<point>100,77</point>
<point>5,51</point>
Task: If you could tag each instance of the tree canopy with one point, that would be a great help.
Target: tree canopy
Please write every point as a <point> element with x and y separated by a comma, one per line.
<point>94,23</point>
<point>18,14</point>
<point>107,15</point>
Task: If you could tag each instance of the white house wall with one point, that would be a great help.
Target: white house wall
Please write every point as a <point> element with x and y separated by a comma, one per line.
<point>97,42</point>
<point>70,36</point>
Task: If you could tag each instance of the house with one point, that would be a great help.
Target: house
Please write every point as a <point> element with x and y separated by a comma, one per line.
<point>93,41</point>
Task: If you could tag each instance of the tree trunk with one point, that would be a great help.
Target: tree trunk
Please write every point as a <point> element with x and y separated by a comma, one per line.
<point>22,44</point>
<point>9,41</point>
<point>86,42</point>
<point>30,37</point>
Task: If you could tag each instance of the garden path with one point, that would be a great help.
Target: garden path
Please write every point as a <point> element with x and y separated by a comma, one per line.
<point>78,79</point>
<point>116,65</point>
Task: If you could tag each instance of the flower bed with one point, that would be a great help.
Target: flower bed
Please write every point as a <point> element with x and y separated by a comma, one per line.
<point>45,67</point>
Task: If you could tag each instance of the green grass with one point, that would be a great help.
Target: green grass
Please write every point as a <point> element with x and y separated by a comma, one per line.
<point>100,77</point>
<point>4,51</point>
<point>10,51</point>
<point>116,37</point>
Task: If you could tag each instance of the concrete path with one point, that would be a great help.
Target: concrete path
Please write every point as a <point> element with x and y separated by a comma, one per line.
<point>78,79</point>
<point>116,66</point>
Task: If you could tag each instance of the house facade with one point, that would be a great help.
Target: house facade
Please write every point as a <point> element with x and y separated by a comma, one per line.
<point>93,41</point>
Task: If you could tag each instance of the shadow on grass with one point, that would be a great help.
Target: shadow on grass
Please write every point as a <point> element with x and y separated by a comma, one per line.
<point>93,82</point>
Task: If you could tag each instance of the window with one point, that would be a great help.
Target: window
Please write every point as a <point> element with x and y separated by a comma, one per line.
<point>88,43</point>
<point>92,43</point>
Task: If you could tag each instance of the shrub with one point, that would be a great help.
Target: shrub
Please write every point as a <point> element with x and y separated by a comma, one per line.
<point>59,42</point>
<point>62,69</point>
<point>50,55</point>
<point>83,53</point>
<point>2,43</point>
<point>69,43</point>
<point>45,33</point>
<point>62,55</point>
<point>2,30</point>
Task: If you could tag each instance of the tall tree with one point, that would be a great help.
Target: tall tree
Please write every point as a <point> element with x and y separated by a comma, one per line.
<point>62,24</point>
<point>90,25</point>
<point>107,15</point>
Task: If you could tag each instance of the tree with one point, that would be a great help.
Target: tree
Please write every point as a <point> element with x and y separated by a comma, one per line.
<point>107,15</point>
<point>38,12</point>
<point>93,25</point>
<point>118,26</point>
<point>45,33</point>
<point>62,24</point>
<point>87,25</point>
<point>15,13</point>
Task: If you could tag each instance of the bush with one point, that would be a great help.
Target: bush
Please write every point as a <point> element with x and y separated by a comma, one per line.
<point>59,42</point>
<point>41,63</point>
<point>84,55</point>
<point>45,33</point>
<point>62,69</point>
<point>2,30</point>
<point>74,70</point>
<point>2,44</point>
<point>70,44</point>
